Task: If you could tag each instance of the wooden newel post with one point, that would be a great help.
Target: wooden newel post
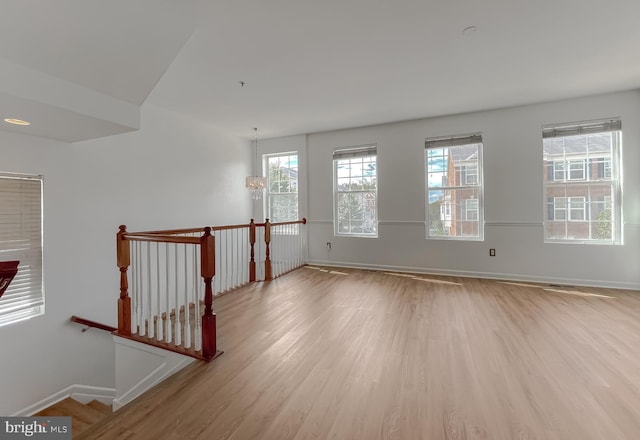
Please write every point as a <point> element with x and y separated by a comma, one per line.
<point>267,259</point>
<point>208,271</point>
<point>252,243</point>
<point>124,302</point>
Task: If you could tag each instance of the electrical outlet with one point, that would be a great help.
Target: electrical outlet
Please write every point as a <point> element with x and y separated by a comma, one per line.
<point>328,245</point>
<point>492,252</point>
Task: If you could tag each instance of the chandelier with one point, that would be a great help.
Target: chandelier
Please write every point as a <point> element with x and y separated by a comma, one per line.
<point>256,184</point>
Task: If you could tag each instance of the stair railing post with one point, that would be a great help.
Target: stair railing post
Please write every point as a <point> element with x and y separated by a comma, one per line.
<point>124,302</point>
<point>252,243</point>
<point>268,276</point>
<point>207,271</point>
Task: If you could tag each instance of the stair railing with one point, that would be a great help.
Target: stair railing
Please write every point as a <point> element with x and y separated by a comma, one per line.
<point>171,301</point>
<point>168,278</point>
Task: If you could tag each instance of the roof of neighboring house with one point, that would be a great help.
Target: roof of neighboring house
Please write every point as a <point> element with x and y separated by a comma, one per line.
<point>464,152</point>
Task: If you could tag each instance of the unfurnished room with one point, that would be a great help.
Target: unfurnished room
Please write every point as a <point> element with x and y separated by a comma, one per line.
<point>320,220</point>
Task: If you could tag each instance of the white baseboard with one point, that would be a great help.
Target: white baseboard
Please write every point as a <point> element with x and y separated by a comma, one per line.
<point>140,367</point>
<point>81,393</point>
<point>487,275</point>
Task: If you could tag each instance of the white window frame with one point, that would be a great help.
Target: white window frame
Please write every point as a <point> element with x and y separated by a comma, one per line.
<point>340,155</point>
<point>577,204</point>
<point>571,168</point>
<point>471,178</point>
<point>566,205</point>
<point>564,169</point>
<point>466,184</point>
<point>21,240</point>
<point>268,200</point>
<point>445,210</point>
<point>607,169</point>
<point>471,206</point>
<point>559,170</point>
<point>581,191</point>
<point>560,206</point>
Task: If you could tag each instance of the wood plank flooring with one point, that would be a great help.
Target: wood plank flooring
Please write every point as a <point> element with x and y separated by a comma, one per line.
<point>83,416</point>
<point>355,354</point>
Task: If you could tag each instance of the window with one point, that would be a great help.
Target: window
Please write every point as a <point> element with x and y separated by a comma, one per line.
<point>454,187</point>
<point>559,208</point>
<point>471,175</point>
<point>600,168</point>
<point>569,208</point>
<point>355,183</point>
<point>282,187</point>
<point>21,239</point>
<point>471,209</point>
<point>576,170</point>
<point>569,170</point>
<point>445,210</point>
<point>582,187</point>
<point>576,209</point>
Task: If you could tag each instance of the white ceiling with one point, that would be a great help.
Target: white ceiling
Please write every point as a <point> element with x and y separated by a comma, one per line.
<point>314,65</point>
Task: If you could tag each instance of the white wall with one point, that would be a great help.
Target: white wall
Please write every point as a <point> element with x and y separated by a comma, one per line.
<point>171,173</point>
<point>513,198</point>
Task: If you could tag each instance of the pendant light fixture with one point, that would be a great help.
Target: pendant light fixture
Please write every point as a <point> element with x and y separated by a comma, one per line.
<point>256,184</point>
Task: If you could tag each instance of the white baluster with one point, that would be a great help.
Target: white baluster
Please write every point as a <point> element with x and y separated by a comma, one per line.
<point>234,260</point>
<point>226,259</point>
<point>176,306</point>
<point>167,318</point>
<point>149,297</point>
<point>196,300</point>
<point>244,262</point>
<point>140,308</point>
<point>187,320</point>
<point>216,280</point>
<point>134,287</point>
<point>158,311</point>
<point>292,258</point>
<point>299,246</point>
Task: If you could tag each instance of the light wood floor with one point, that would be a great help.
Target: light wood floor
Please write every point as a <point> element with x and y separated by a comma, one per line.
<point>354,354</point>
<point>83,415</point>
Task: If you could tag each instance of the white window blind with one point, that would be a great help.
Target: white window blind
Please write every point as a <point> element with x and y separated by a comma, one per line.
<point>21,239</point>
<point>582,128</point>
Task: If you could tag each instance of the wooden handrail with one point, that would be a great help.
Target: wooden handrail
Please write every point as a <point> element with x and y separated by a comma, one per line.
<point>93,324</point>
<point>224,228</point>
<point>170,232</point>
<point>293,222</point>
<point>191,230</point>
<point>161,238</point>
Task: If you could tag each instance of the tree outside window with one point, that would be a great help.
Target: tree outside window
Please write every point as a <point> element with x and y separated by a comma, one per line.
<point>282,187</point>
<point>355,191</point>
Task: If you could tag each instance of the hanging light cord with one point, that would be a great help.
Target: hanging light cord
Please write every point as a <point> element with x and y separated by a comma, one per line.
<point>255,164</point>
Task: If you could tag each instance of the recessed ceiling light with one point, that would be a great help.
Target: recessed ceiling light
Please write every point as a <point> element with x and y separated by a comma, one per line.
<point>469,30</point>
<point>16,121</point>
